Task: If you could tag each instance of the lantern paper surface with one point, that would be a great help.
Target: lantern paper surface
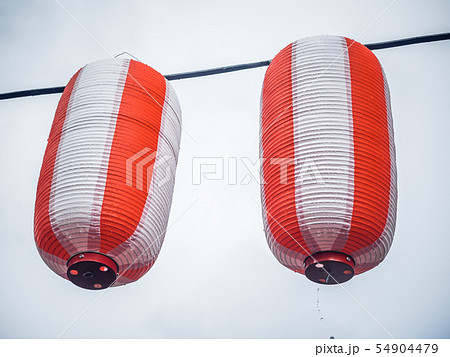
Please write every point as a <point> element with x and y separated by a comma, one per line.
<point>106,182</point>
<point>328,159</point>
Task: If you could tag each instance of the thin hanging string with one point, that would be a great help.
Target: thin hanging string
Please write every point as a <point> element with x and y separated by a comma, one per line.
<point>129,54</point>
<point>237,67</point>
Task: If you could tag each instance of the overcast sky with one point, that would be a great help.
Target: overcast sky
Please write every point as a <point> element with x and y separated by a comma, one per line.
<point>215,276</point>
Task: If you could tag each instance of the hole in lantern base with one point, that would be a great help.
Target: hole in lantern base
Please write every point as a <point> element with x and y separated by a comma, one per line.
<point>329,268</point>
<point>94,271</point>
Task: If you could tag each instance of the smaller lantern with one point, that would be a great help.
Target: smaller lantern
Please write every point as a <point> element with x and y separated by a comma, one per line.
<point>106,183</point>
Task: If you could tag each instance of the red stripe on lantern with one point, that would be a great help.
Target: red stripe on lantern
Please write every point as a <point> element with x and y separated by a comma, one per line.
<point>372,170</point>
<point>278,165</point>
<point>142,100</point>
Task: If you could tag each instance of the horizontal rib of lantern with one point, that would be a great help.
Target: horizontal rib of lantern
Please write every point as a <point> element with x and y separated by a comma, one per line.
<point>108,172</point>
<point>325,111</point>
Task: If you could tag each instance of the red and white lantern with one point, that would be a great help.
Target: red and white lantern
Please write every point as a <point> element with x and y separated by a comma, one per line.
<point>328,159</point>
<point>106,183</point>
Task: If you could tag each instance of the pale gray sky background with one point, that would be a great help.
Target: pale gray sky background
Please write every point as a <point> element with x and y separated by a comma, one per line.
<point>215,276</point>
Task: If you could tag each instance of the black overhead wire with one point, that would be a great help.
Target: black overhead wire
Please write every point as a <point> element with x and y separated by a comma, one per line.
<point>31,92</point>
<point>218,70</point>
<point>408,41</point>
<point>239,67</point>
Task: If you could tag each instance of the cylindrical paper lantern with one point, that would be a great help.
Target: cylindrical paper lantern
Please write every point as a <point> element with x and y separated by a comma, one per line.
<point>106,183</point>
<point>329,190</point>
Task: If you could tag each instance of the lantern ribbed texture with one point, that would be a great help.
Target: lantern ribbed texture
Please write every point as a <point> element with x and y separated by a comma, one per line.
<point>108,172</point>
<point>328,155</point>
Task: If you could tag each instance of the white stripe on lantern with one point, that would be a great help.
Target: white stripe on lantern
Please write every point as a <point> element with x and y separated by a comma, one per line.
<point>81,165</point>
<point>323,141</point>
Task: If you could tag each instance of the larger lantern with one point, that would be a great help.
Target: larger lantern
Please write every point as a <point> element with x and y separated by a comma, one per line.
<point>107,177</point>
<point>328,159</point>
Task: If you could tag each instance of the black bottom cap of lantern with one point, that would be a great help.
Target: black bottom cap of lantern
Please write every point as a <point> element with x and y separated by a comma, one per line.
<point>329,268</point>
<point>93,271</point>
